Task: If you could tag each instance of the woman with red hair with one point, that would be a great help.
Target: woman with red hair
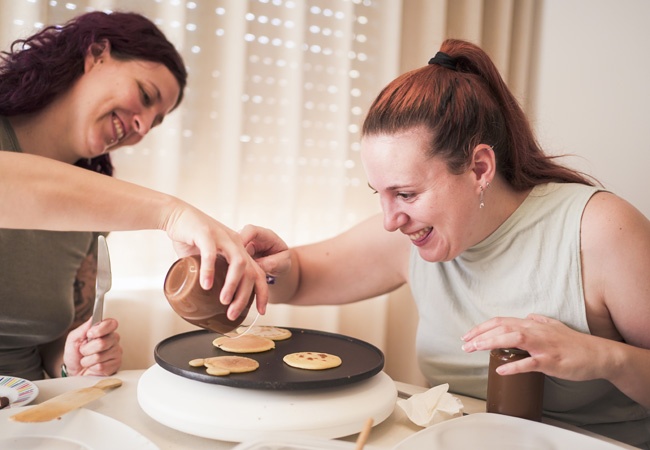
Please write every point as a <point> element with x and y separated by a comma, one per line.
<point>501,246</point>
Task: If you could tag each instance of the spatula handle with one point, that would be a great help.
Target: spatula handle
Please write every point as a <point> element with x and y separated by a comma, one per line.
<point>109,383</point>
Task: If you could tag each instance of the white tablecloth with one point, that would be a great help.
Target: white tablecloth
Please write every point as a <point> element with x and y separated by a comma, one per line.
<point>122,404</point>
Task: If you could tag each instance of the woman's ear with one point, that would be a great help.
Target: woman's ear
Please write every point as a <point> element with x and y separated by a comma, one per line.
<point>96,54</point>
<point>483,164</point>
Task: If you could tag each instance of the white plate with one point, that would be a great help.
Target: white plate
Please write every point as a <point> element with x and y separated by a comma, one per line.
<point>19,391</point>
<point>498,432</point>
<point>295,443</point>
<point>80,429</point>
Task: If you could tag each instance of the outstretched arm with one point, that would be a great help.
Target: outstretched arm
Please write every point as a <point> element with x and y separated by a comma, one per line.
<point>40,193</point>
<point>360,263</point>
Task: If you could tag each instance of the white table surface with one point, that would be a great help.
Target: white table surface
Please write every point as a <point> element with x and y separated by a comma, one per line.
<point>122,404</point>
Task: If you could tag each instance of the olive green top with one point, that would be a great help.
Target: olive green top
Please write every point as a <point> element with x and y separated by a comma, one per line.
<point>37,276</point>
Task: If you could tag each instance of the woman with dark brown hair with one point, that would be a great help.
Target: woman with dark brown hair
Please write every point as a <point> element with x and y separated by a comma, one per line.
<point>501,246</point>
<point>72,94</point>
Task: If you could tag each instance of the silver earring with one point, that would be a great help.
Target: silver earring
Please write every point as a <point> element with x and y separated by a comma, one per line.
<point>481,203</point>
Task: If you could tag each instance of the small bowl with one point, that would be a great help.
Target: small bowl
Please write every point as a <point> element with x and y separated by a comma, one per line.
<point>196,305</point>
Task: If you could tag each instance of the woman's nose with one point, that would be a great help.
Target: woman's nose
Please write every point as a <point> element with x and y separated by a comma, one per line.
<point>393,217</point>
<point>142,123</point>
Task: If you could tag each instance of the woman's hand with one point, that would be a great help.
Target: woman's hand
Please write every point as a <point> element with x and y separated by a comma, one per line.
<point>194,232</point>
<point>555,349</point>
<point>267,248</point>
<point>275,259</point>
<point>93,350</point>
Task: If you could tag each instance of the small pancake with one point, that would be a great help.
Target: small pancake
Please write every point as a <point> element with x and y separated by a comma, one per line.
<point>312,360</point>
<point>230,364</point>
<point>217,371</point>
<point>198,362</point>
<point>248,343</point>
<point>270,332</point>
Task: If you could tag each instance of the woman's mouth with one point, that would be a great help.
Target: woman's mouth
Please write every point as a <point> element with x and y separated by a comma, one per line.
<point>420,236</point>
<point>119,130</point>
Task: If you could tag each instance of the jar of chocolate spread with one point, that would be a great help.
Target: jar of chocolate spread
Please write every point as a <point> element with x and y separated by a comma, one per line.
<point>196,305</point>
<point>518,395</point>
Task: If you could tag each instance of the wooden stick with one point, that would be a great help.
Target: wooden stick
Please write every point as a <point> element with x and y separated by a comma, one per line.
<point>363,435</point>
<point>66,402</point>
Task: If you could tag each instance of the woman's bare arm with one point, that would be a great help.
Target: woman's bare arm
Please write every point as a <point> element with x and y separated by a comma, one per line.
<point>40,193</point>
<point>616,260</point>
<point>360,263</point>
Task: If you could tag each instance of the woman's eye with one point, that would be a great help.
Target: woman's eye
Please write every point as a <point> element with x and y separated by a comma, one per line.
<point>405,195</point>
<point>146,99</point>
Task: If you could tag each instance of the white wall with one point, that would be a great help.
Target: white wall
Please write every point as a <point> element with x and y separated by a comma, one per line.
<point>591,92</point>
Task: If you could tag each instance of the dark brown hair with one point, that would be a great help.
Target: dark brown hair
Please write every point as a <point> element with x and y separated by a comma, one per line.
<point>40,67</point>
<point>464,106</point>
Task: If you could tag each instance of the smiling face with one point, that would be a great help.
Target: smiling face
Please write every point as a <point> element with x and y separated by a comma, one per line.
<point>419,196</point>
<point>118,102</point>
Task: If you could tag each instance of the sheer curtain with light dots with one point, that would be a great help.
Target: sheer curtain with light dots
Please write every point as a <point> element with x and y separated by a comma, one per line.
<point>268,132</point>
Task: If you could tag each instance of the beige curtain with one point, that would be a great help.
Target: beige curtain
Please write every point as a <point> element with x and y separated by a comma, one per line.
<point>268,132</point>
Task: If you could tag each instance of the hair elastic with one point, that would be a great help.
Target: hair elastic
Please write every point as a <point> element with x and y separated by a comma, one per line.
<point>444,60</point>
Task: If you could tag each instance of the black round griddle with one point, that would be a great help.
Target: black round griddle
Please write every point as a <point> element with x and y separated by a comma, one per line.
<point>360,360</point>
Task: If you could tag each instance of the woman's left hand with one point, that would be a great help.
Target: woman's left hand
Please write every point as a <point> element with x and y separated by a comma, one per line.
<point>93,350</point>
<point>267,249</point>
<point>555,349</point>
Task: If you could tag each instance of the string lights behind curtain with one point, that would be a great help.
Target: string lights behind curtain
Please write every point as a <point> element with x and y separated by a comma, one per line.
<point>268,131</point>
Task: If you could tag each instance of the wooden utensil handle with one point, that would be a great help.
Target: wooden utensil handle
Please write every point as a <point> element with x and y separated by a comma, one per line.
<point>109,383</point>
<point>68,401</point>
<point>363,436</point>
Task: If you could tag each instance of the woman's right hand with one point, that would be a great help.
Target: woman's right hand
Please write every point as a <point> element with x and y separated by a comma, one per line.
<point>93,350</point>
<point>194,232</point>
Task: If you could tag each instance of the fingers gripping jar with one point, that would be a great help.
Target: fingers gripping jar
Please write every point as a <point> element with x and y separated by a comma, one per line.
<point>518,395</point>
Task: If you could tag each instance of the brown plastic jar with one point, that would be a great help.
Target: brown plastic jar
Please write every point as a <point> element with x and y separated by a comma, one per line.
<point>196,305</point>
<point>519,395</point>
